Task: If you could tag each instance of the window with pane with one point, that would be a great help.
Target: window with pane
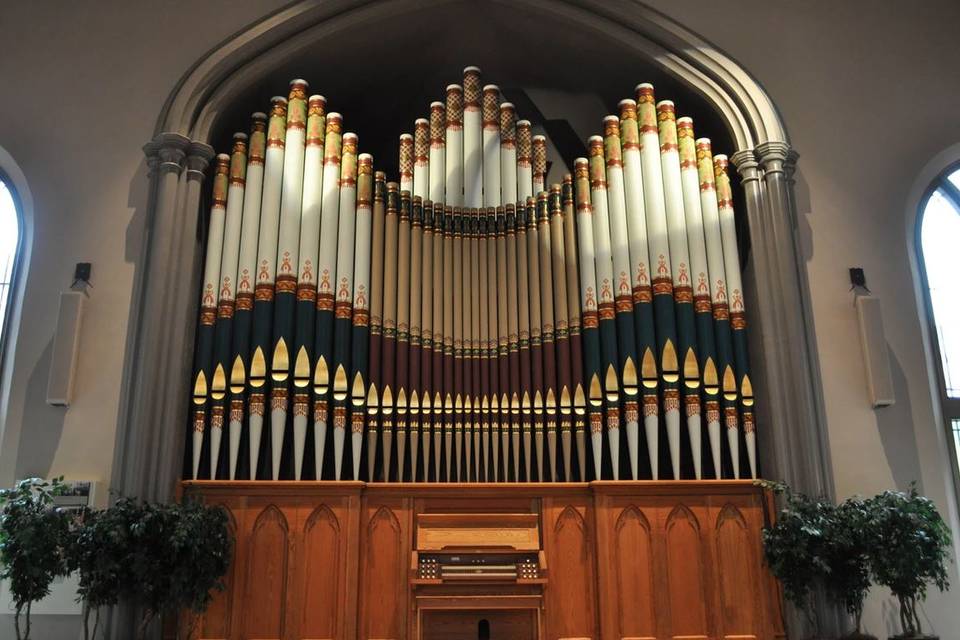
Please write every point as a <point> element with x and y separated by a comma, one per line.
<point>939,239</point>
<point>9,243</point>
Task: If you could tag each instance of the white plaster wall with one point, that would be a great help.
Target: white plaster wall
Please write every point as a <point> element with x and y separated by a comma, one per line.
<point>83,84</point>
<point>868,91</point>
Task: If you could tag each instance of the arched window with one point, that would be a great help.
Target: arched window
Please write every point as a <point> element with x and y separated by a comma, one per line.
<point>9,246</point>
<point>939,235</point>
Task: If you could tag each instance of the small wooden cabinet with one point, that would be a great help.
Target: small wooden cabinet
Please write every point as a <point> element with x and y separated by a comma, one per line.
<point>476,575</point>
<point>616,561</point>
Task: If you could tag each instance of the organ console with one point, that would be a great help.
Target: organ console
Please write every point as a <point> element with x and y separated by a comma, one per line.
<point>471,321</point>
<point>487,548</point>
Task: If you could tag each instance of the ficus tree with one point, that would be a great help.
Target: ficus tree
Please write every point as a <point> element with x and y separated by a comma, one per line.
<point>796,548</point>
<point>34,533</point>
<point>100,551</point>
<point>179,555</point>
<point>847,544</point>
<point>909,550</point>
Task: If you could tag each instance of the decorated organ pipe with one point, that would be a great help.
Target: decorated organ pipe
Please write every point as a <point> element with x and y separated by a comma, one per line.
<point>226,296</point>
<point>261,346</point>
<point>738,319</point>
<point>306,307</point>
<point>577,396</point>
<point>360,335</point>
<point>491,302</point>
<point>602,243</point>
<point>323,369</point>
<point>558,258</point>
<point>528,333</point>
<point>472,138</point>
<point>438,386</point>
<point>643,316</point>
<point>699,270</point>
<point>719,378</point>
<point>655,210</point>
<point>680,269</point>
<point>203,356</point>
<point>388,364</point>
<point>246,274</point>
<point>548,386</point>
<point>343,305</point>
<point>470,322</point>
<point>623,292</point>
<point>425,384</point>
<point>539,163</point>
<point>421,158</point>
<point>376,316</point>
<point>403,330</point>
<point>490,113</point>
<point>415,332</point>
<point>287,261</point>
<point>589,316</point>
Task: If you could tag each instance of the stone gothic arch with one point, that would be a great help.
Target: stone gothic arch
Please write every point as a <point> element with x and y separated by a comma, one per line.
<point>793,443</point>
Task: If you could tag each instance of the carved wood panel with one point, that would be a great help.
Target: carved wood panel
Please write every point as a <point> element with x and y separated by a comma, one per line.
<point>685,572</point>
<point>570,609</point>
<point>626,561</point>
<point>265,585</point>
<point>322,574</point>
<point>634,568</point>
<point>383,582</point>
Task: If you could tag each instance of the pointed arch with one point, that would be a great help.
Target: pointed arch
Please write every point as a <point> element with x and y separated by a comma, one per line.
<point>240,61</point>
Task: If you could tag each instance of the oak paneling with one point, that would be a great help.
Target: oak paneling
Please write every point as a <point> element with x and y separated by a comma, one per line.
<point>264,596</point>
<point>383,597</point>
<point>322,574</point>
<point>634,569</point>
<point>685,574</point>
<point>570,594</point>
<point>625,560</point>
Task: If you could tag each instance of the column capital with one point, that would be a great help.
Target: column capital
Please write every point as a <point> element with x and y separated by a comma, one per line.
<point>745,161</point>
<point>166,152</point>
<point>774,155</point>
<point>199,155</point>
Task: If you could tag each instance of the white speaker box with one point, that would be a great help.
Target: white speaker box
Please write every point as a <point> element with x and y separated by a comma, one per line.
<point>875,352</point>
<point>66,347</point>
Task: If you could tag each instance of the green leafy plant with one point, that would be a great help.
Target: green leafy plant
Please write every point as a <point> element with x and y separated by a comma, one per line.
<point>100,550</point>
<point>33,535</point>
<point>847,541</point>
<point>180,553</point>
<point>795,547</point>
<point>909,551</point>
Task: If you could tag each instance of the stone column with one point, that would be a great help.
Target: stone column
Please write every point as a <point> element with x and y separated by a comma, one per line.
<point>791,426</point>
<point>792,431</point>
<point>181,323</point>
<point>145,463</point>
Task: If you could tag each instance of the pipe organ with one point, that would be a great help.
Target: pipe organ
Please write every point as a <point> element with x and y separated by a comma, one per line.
<point>471,321</point>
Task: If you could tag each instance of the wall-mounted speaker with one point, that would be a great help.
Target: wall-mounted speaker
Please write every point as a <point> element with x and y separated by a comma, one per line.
<point>875,351</point>
<point>66,347</point>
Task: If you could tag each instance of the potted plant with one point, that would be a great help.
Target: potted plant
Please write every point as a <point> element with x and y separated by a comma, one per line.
<point>910,548</point>
<point>847,543</point>
<point>180,553</point>
<point>100,550</point>
<point>795,547</point>
<point>33,534</point>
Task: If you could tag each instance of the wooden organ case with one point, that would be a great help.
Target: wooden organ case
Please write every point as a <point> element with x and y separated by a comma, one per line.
<point>478,399</point>
<point>614,561</point>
